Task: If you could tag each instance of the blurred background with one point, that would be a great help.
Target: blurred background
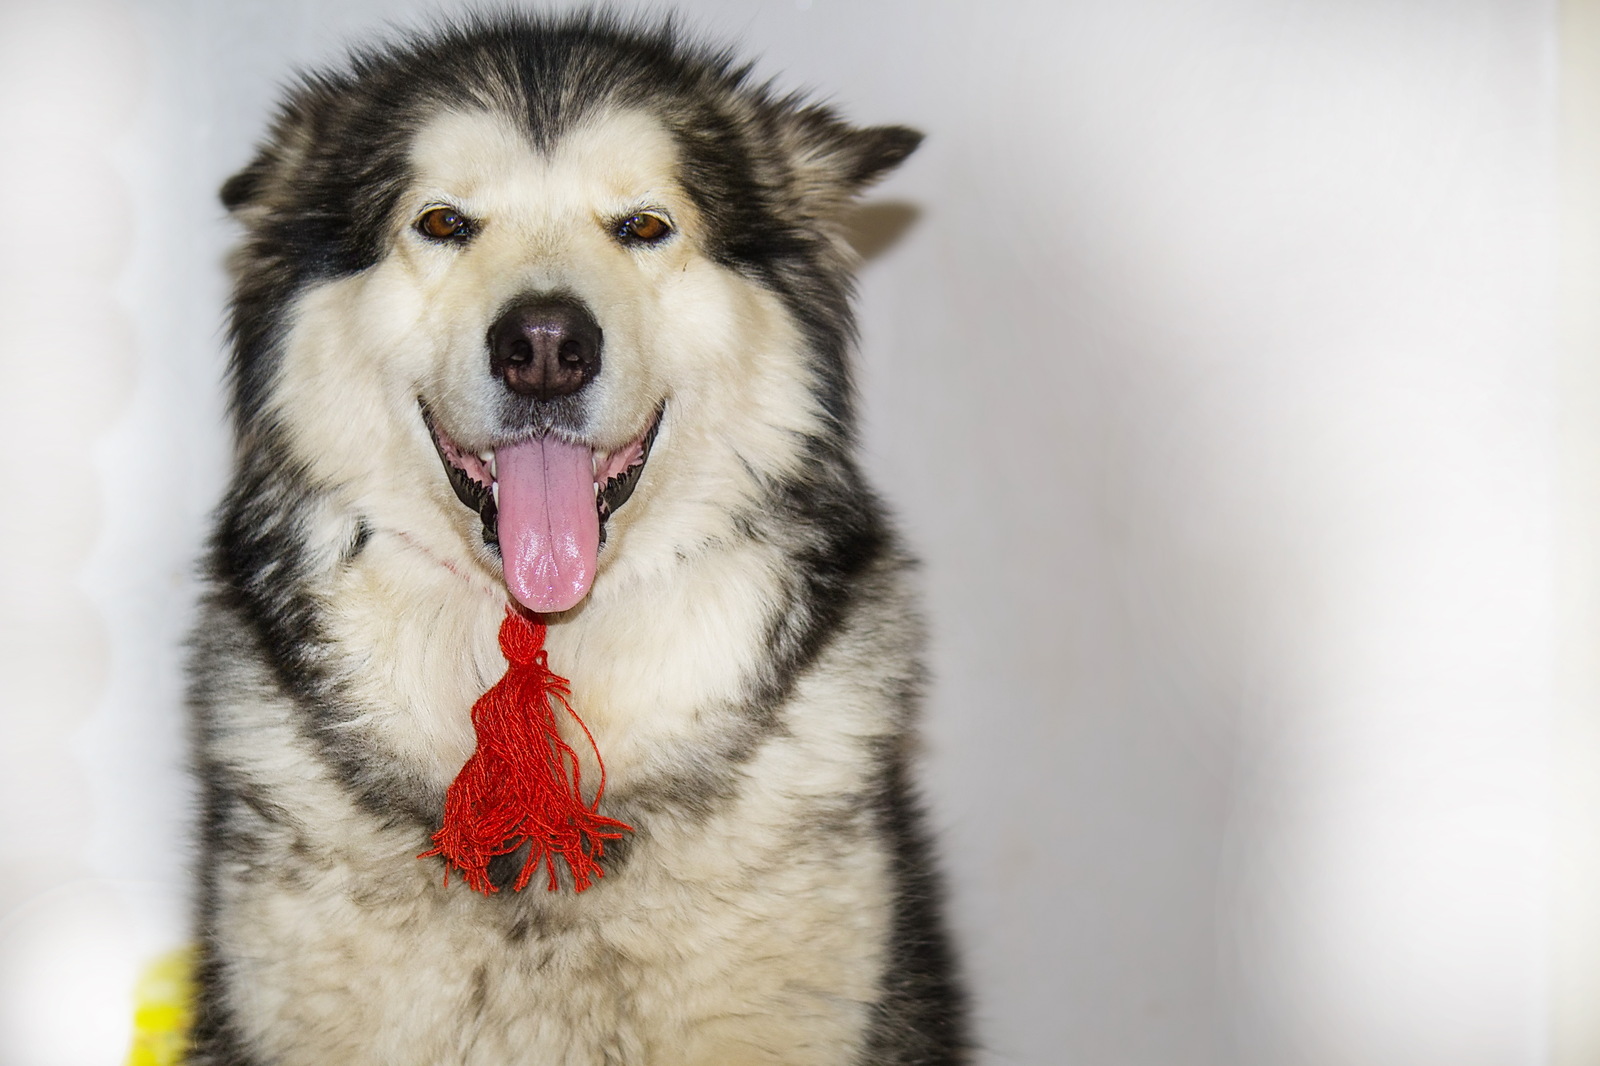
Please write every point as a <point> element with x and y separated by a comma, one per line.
<point>1233,375</point>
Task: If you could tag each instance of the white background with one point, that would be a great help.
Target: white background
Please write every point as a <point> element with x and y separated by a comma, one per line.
<point>1221,375</point>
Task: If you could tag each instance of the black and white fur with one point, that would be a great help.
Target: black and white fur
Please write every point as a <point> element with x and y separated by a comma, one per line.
<point>746,657</point>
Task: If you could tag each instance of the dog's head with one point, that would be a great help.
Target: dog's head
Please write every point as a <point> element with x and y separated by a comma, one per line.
<point>543,269</point>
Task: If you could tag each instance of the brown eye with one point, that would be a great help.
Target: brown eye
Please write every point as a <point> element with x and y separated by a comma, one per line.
<point>444,224</point>
<point>644,228</point>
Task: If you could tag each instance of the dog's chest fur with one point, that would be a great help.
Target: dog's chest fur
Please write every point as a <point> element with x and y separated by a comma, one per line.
<point>745,935</point>
<point>744,921</point>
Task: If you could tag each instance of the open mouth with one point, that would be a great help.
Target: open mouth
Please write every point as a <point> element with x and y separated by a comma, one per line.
<point>544,502</point>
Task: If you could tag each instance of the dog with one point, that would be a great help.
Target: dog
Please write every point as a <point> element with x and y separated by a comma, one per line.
<point>540,333</point>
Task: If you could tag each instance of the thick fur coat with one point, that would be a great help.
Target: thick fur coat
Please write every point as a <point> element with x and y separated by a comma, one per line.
<point>601,241</point>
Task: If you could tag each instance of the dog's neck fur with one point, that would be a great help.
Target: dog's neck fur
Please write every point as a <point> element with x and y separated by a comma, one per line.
<point>441,654</point>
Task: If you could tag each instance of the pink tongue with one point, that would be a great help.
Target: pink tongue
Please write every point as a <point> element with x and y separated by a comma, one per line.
<point>549,528</point>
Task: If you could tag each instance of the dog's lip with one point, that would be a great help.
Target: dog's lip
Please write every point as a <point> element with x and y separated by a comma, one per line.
<point>472,473</point>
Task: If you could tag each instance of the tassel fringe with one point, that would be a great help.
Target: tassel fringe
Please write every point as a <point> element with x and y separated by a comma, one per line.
<point>523,784</point>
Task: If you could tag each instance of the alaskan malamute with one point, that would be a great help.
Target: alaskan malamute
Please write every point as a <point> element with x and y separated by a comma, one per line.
<point>540,336</point>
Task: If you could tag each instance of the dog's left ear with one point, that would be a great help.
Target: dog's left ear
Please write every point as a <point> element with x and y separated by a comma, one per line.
<point>862,156</point>
<point>834,160</point>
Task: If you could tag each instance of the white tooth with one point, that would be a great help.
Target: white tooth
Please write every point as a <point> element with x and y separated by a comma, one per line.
<point>494,490</point>
<point>490,461</point>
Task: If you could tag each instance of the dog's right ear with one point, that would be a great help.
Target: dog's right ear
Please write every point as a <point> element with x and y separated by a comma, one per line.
<point>264,181</point>
<point>244,188</point>
<point>262,184</point>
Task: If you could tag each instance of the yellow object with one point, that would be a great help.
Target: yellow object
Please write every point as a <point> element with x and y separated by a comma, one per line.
<point>163,1009</point>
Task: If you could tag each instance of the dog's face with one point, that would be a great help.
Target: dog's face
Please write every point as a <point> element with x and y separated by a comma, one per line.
<point>550,283</point>
<point>522,345</point>
<point>537,321</point>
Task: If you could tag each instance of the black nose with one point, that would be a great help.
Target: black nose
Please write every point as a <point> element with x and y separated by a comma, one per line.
<point>545,347</point>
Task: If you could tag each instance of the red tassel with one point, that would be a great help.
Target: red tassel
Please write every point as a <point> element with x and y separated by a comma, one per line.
<point>523,784</point>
